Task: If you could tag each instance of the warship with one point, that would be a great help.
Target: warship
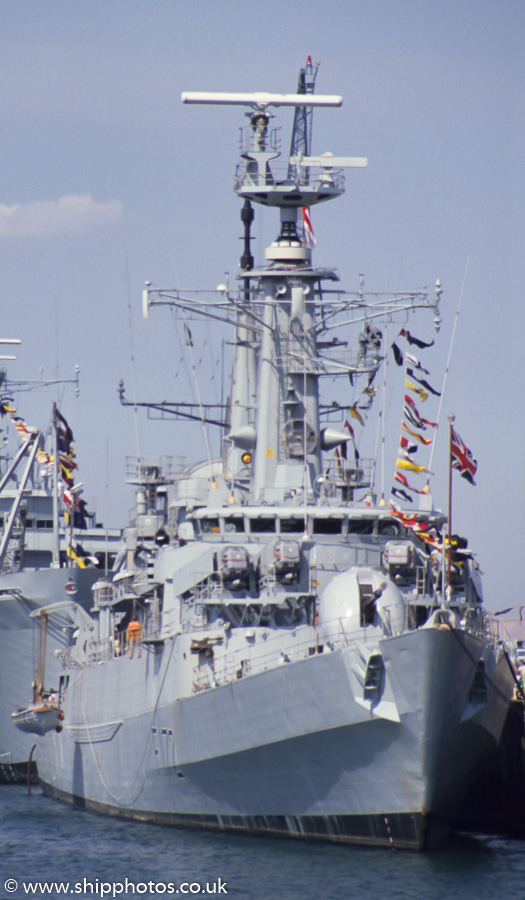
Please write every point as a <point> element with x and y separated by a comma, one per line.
<point>283,649</point>
<point>51,548</point>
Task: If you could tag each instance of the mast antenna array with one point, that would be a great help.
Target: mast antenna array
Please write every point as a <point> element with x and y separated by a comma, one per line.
<point>261,100</point>
<point>301,142</point>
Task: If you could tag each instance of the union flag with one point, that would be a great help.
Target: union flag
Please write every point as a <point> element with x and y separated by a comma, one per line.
<point>461,457</point>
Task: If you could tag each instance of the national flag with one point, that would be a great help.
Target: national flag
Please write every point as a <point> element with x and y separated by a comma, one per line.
<point>461,457</point>
<point>309,235</point>
<point>423,383</point>
<point>414,340</point>
<point>63,427</point>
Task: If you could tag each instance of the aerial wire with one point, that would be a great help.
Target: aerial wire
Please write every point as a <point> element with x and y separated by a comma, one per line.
<point>133,372</point>
<point>448,359</point>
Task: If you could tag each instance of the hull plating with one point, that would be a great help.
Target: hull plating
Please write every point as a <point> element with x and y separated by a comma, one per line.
<point>295,750</point>
<point>19,649</point>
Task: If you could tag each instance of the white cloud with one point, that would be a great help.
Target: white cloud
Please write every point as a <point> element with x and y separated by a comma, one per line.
<point>45,218</point>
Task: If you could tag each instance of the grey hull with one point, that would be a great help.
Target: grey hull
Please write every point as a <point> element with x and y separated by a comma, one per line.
<point>22,593</point>
<point>295,750</point>
<point>404,831</point>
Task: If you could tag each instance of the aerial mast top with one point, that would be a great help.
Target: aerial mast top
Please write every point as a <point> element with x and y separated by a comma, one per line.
<point>301,142</point>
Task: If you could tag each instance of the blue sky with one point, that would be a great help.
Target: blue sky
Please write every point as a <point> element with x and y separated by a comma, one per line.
<point>107,181</point>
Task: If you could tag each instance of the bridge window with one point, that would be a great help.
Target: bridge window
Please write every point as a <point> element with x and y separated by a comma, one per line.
<point>328,526</point>
<point>292,525</point>
<point>262,524</point>
<point>210,525</point>
<point>234,524</point>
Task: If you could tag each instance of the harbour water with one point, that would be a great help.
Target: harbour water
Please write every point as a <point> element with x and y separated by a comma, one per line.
<point>48,849</point>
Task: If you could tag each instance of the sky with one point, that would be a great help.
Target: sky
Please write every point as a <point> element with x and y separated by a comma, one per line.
<point>108,181</point>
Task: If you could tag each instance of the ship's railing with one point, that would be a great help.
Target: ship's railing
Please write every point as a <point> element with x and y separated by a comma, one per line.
<point>104,649</point>
<point>248,143</point>
<point>316,178</point>
<point>154,470</point>
<point>238,664</point>
<point>329,362</point>
<point>490,629</point>
<point>136,584</point>
<point>340,473</point>
<point>68,659</point>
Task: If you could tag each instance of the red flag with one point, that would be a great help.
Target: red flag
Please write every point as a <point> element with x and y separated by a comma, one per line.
<point>309,235</point>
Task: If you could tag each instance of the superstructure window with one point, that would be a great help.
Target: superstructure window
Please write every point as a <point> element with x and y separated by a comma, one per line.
<point>234,524</point>
<point>262,524</point>
<point>210,525</point>
<point>328,526</point>
<point>292,525</point>
<point>388,527</point>
<point>360,526</point>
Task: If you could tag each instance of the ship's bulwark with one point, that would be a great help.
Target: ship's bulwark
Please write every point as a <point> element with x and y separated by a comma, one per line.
<point>295,750</point>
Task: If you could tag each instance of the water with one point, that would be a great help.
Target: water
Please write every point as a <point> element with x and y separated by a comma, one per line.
<point>42,840</point>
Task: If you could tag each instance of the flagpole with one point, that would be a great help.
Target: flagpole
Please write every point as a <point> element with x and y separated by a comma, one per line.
<point>449,551</point>
<point>56,535</point>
